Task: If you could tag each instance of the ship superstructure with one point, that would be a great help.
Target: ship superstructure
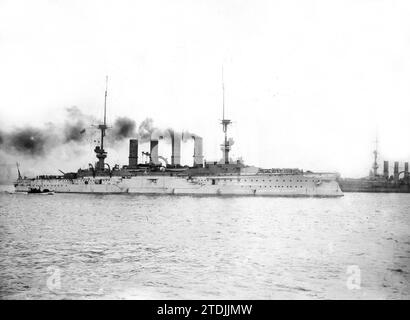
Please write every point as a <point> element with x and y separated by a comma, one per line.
<point>225,177</point>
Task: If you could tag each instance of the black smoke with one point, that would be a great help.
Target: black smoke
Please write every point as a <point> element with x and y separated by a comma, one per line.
<point>75,127</point>
<point>28,141</point>
<point>75,132</point>
<point>123,128</point>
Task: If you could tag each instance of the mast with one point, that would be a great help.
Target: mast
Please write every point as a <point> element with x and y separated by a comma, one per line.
<point>18,171</point>
<point>225,147</point>
<point>223,95</point>
<point>375,152</point>
<point>105,114</point>
<point>99,150</point>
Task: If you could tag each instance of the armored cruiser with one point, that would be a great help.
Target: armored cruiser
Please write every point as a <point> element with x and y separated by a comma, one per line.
<point>224,177</point>
<point>399,182</point>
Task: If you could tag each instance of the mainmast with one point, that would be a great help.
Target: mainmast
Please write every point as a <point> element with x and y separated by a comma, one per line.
<point>225,147</point>
<point>99,150</point>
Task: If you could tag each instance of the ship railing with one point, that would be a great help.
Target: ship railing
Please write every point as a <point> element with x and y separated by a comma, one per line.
<point>49,177</point>
<point>280,171</point>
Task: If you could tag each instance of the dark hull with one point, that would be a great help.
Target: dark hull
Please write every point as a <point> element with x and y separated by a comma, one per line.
<point>367,185</point>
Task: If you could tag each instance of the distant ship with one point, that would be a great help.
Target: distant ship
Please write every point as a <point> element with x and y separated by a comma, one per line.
<point>224,177</point>
<point>399,182</point>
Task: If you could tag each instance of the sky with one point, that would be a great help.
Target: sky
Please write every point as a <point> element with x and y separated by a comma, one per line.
<point>308,84</point>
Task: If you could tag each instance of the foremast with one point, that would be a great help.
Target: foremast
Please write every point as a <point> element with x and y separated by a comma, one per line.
<point>101,154</point>
<point>225,147</point>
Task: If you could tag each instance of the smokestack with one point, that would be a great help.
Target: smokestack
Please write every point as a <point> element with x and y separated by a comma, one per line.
<point>155,136</point>
<point>198,157</point>
<point>176,148</point>
<point>386,169</point>
<point>133,156</point>
<point>396,171</point>
<point>154,151</point>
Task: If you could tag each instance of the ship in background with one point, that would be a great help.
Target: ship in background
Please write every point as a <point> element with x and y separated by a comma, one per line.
<point>399,182</point>
<point>224,177</point>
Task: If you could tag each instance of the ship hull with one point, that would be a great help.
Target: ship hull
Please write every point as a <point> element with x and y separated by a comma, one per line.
<point>232,185</point>
<point>367,185</point>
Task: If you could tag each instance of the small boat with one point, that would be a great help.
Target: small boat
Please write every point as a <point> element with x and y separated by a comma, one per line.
<point>39,191</point>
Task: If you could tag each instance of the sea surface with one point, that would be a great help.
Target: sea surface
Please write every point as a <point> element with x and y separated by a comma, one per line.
<point>71,246</point>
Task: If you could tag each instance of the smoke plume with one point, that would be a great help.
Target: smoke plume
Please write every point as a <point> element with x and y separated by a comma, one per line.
<point>145,129</point>
<point>29,141</point>
<point>123,128</point>
<point>75,127</point>
<point>186,135</point>
<point>75,132</point>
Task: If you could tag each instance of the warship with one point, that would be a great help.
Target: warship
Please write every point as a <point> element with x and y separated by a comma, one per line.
<point>399,182</point>
<point>223,177</point>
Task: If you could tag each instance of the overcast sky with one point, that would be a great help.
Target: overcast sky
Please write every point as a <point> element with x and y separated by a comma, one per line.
<point>308,83</point>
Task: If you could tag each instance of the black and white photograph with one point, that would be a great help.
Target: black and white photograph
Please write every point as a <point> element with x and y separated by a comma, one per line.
<point>201,150</point>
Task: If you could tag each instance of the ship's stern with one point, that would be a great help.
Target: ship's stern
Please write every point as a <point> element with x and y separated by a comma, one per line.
<point>328,188</point>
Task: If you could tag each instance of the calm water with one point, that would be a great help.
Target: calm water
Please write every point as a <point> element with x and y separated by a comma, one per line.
<point>67,246</point>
